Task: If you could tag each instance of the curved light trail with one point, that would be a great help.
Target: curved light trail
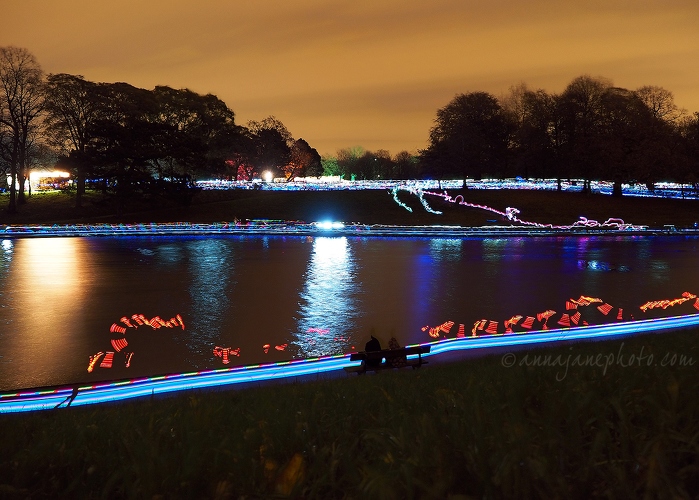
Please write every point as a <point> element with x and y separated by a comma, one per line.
<point>510,213</point>
<point>115,391</point>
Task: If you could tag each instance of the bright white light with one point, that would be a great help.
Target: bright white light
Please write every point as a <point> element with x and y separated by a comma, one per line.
<point>267,176</point>
<point>40,174</point>
<point>327,225</point>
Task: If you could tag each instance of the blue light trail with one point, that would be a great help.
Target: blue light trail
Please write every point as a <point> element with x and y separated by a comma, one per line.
<point>29,400</point>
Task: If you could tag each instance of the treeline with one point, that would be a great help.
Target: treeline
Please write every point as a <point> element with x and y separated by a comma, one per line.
<point>591,131</point>
<point>358,164</point>
<point>129,141</point>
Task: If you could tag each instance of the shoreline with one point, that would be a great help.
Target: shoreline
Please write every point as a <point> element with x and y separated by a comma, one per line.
<point>291,228</point>
<point>53,397</point>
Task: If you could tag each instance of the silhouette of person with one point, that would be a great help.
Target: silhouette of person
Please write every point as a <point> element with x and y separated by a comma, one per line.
<point>398,361</point>
<point>69,399</point>
<point>373,345</point>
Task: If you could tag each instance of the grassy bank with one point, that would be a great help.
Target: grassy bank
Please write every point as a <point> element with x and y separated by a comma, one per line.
<point>471,429</point>
<point>367,207</point>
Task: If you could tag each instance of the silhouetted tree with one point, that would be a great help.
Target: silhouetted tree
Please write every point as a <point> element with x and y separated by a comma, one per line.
<point>623,136</point>
<point>405,166</point>
<point>469,138</point>
<point>72,109</point>
<point>533,141</point>
<point>21,102</point>
<point>199,134</point>
<point>373,165</point>
<point>348,161</point>
<point>128,139</point>
<point>272,145</point>
<point>660,102</point>
<point>662,152</point>
<point>688,132</point>
<point>580,106</point>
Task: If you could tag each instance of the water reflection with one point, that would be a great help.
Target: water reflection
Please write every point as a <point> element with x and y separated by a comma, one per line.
<point>210,266</point>
<point>51,280</point>
<point>320,296</point>
<point>327,308</point>
<point>5,260</point>
<point>497,249</point>
<point>446,250</point>
<point>7,249</point>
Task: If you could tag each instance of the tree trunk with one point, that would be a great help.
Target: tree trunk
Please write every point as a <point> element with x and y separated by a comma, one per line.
<point>616,190</point>
<point>80,189</point>
<point>12,207</point>
<point>22,178</point>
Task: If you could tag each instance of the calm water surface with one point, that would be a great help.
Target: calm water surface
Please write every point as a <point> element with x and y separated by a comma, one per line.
<point>308,296</point>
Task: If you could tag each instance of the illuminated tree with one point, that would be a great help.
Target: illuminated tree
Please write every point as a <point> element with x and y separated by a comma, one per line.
<point>330,166</point>
<point>304,161</point>
<point>21,102</point>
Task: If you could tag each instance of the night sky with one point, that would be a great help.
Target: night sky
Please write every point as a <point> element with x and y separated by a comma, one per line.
<point>368,73</point>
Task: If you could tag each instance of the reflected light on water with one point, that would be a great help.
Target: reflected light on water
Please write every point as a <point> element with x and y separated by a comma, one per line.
<point>6,248</point>
<point>211,268</point>
<point>446,249</point>
<point>5,261</point>
<point>5,258</point>
<point>50,287</point>
<point>52,263</point>
<point>327,308</point>
<point>497,249</point>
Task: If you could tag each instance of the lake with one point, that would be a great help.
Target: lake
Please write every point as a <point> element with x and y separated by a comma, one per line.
<point>164,304</point>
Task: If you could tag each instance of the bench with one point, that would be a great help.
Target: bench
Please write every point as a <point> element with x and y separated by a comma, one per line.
<point>374,360</point>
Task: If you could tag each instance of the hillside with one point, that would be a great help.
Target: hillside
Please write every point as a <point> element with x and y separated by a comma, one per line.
<point>366,207</point>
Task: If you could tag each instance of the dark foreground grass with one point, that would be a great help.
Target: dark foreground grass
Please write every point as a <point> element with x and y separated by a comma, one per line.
<point>467,429</point>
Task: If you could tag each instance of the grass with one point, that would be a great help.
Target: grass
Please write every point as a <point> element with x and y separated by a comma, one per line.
<point>367,207</point>
<point>468,429</point>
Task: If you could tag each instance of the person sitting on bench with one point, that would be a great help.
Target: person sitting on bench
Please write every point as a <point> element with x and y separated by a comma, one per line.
<point>397,361</point>
<point>373,345</point>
